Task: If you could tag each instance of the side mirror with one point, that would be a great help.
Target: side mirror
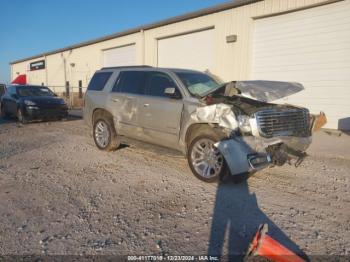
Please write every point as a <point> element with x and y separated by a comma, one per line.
<point>172,93</point>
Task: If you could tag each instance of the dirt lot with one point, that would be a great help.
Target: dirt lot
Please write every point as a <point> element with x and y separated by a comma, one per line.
<point>60,195</point>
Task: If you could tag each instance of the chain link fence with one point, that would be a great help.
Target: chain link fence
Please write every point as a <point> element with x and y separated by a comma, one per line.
<point>73,95</point>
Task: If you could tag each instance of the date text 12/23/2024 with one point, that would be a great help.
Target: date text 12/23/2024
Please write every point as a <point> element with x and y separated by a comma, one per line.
<point>173,258</point>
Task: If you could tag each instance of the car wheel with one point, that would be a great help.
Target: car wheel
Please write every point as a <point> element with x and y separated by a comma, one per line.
<point>205,160</point>
<point>104,134</point>
<point>21,118</point>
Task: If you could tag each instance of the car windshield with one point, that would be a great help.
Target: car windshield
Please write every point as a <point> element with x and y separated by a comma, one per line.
<point>34,91</point>
<point>198,84</point>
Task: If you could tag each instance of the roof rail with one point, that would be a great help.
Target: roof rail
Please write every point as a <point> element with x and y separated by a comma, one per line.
<point>120,67</point>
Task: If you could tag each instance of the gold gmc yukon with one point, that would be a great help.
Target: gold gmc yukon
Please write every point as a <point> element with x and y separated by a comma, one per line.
<point>222,128</point>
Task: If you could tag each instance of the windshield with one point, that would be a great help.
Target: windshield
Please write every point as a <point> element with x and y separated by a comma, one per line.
<point>34,91</point>
<point>198,84</point>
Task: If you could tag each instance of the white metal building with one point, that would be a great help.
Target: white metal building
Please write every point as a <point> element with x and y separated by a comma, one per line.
<point>305,41</point>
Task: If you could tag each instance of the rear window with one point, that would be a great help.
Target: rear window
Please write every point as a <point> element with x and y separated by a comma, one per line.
<point>99,81</point>
<point>130,82</point>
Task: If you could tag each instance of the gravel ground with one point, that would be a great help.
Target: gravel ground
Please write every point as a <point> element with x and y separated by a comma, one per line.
<point>60,195</point>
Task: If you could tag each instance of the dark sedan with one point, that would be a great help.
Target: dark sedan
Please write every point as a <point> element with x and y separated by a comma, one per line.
<point>29,102</point>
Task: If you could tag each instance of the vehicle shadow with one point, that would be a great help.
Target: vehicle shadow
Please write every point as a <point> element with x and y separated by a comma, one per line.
<point>236,217</point>
<point>72,117</point>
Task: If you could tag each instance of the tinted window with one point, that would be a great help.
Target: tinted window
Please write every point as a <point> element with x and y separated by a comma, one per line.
<point>11,90</point>
<point>157,82</point>
<point>99,81</point>
<point>130,82</point>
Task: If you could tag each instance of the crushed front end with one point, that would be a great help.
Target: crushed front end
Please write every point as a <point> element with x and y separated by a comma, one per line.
<point>272,136</point>
<point>264,134</point>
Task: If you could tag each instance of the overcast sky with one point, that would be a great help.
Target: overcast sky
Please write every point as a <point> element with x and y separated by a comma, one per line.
<point>31,27</point>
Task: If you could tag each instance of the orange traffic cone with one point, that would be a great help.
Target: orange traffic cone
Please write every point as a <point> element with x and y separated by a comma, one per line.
<point>265,246</point>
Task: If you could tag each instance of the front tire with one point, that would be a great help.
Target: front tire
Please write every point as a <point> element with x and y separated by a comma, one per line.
<point>21,118</point>
<point>205,160</point>
<point>104,134</point>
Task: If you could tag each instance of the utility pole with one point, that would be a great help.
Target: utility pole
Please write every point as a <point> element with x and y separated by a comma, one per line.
<point>46,73</point>
<point>143,46</point>
<point>64,70</point>
<point>66,86</point>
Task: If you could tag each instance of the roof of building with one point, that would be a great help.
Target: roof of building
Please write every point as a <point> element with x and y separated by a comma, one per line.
<point>199,13</point>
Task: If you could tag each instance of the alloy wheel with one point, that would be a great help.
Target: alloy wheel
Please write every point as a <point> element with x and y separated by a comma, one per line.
<point>102,134</point>
<point>206,158</point>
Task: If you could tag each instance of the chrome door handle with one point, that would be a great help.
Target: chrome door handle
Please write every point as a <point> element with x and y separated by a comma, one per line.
<point>115,100</point>
<point>146,105</point>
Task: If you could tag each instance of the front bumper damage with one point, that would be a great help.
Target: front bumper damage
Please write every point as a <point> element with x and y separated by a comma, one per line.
<point>258,133</point>
<point>249,154</point>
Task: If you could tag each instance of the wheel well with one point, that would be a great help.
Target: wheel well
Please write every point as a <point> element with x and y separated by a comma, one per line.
<point>205,128</point>
<point>99,112</point>
<point>192,130</point>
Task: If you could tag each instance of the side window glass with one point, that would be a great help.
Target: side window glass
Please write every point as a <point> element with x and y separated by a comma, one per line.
<point>157,82</point>
<point>12,90</point>
<point>132,82</point>
<point>99,81</point>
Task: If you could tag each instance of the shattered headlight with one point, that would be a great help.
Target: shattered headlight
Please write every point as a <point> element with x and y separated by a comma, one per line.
<point>29,103</point>
<point>244,124</point>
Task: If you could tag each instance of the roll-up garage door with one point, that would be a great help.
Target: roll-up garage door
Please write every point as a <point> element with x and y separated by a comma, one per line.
<point>189,51</point>
<point>120,56</point>
<point>311,47</point>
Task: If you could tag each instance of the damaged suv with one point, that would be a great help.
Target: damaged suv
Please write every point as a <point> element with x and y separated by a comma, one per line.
<point>223,128</point>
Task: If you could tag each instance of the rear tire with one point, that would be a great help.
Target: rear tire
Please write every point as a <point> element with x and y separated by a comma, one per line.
<point>21,118</point>
<point>104,134</point>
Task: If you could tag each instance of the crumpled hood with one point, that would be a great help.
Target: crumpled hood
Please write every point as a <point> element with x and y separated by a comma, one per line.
<point>267,91</point>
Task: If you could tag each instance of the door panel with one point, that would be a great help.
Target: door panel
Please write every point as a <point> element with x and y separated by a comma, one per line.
<point>123,102</point>
<point>160,119</point>
<point>160,115</point>
<point>10,103</point>
<point>125,112</point>
<point>11,106</point>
